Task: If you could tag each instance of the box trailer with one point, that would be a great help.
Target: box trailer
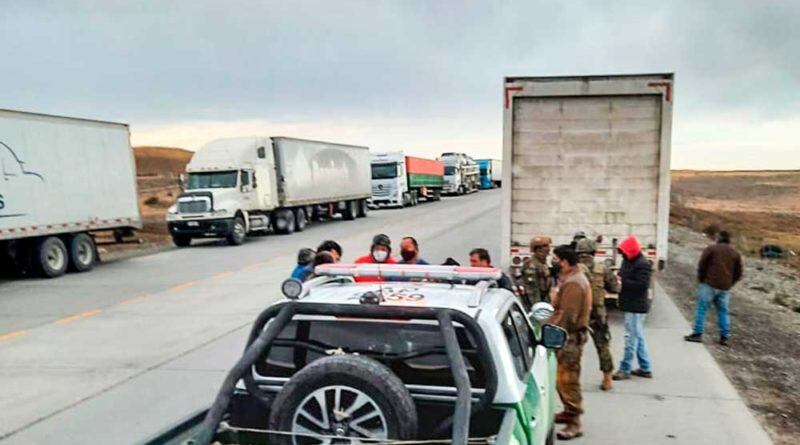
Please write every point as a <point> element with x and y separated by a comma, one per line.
<point>491,171</point>
<point>254,184</point>
<point>61,179</point>
<point>399,180</point>
<point>587,154</point>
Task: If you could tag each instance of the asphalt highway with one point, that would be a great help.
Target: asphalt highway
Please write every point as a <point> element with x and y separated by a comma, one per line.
<point>115,355</point>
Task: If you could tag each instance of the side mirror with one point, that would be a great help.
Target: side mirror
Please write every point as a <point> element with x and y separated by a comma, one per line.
<point>541,311</point>
<point>553,337</point>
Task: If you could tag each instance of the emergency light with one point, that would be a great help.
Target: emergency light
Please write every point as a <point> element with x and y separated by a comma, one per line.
<point>389,271</point>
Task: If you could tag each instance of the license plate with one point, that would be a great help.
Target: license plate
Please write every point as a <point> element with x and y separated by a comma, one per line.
<point>193,224</point>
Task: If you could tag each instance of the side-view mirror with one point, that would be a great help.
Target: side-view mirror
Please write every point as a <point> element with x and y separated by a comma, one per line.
<point>553,337</point>
<point>541,311</point>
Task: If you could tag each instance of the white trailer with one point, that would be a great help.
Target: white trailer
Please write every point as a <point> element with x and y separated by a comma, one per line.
<point>497,172</point>
<point>61,179</point>
<point>587,153</point>
<point>253,184</point>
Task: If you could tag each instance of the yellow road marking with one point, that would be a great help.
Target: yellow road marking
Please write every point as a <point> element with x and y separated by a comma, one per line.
<point>78,316</point>
<point>253,266</point>
<point>183,285</point>
<point>13,334</point>
<point>136,298</point>
<point>221,275</point>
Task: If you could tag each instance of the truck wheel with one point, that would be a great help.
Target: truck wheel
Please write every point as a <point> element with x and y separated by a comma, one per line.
<point>350,211</point>
<point>182,240</point>
<point>460,190</point>
<point>414,199</point>
<point>345,395</point>
<point>82,253</point>
<point>50,257</point>
<point>362,208</point>
<point>300,219</point>
<point>437,195</point>
<point>238,232</point>
<point>283,222</point>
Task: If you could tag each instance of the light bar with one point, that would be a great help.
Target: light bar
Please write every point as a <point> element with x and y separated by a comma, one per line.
<point>449,273</point>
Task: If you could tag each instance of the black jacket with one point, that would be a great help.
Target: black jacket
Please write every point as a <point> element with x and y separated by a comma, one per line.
<point>635,277</point>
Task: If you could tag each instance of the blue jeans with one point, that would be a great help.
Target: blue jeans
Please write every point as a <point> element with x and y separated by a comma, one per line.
<point>705,296</point>
<point>635,343</point>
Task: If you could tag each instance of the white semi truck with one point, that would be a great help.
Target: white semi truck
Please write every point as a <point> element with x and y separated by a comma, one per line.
<point>255,184</point>
<point>399,180</point>
<point>587,154</point>
<point>461,174</point>
<point>61,180</point>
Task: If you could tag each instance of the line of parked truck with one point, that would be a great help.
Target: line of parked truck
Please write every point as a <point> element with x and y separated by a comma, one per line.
<point>62,180</point>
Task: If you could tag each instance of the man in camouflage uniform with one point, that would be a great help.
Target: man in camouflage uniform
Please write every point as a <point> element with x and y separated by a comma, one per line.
<point>534,276</point>
<point>602,280</point>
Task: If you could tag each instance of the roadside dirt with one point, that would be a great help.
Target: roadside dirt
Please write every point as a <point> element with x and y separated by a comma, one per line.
<point>763,361</point>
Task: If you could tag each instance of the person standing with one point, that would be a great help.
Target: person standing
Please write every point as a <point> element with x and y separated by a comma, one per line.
<point>409,252</point>
<point>379,253</point>
<point>304,259</point>
<point>719,269</point>
<point>479,257</point>
<point>602,280</point>
<point>535,278</point>
<point>634,301</point>
<point>573,305</point>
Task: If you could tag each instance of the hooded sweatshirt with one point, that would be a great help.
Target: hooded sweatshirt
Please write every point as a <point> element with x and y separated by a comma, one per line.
<point>635,277</point>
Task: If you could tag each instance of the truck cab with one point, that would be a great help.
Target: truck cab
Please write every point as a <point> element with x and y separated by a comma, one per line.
<point>389,180</point>
<point>461,174</point>
<point>228,189</point>
<point>397,360</point>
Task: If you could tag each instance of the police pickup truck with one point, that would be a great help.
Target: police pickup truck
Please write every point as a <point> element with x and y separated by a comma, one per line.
<point>419,356</point>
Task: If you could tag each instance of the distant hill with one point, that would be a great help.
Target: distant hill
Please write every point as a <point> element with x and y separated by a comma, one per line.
<point>160,160</point>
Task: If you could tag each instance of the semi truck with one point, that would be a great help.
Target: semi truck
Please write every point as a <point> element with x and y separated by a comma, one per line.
<point>461,174</point>
<point>240,186</point>
<point>491,172</point>
<point>399,180</point>
<point>62,179</point>
<point>587,154</point>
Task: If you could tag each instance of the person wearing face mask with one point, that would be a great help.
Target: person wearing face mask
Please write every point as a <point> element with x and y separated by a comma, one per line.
<point>409,252</point>
<point>379,253</point>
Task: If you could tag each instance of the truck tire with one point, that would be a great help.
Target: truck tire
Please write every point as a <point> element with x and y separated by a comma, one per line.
<point>182,240</point>
<point>300,219</point>
<point>460,190</point>
<point>238,232</point>
<point>362,208</point>
<point>50,258</point>
<point>283,222</point>
<point>414,198</point>
<point>350,211</point>
<point>386,408</point>
<point>82,253</point>
<point>437,195</point>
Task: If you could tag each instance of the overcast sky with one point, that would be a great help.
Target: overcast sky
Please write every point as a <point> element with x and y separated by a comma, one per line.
<point>423,76</point>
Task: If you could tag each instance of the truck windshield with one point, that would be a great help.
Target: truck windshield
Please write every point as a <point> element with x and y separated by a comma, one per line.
<point>212,180</point>
<point>450,170</point>
<point>384,171</point>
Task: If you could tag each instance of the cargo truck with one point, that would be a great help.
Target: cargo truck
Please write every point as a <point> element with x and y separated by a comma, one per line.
<point>491,172</point>
<point>61,180</point>
<point>240,186</point>
<point>460,174</point>
<point>589,154</point>
<point>399,180</point>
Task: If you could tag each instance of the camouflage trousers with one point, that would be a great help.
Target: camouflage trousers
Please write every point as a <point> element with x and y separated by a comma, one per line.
<point>568,377</point>
<point>601,336</point>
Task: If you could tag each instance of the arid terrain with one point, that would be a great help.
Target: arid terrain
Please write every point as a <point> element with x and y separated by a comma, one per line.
<point>758,208</point>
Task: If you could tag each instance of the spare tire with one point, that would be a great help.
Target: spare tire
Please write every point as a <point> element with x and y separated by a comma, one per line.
<point>345,396</point>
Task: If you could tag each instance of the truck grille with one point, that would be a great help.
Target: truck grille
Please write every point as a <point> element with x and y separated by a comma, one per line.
<point>200,206</point>
<point>380,191</point>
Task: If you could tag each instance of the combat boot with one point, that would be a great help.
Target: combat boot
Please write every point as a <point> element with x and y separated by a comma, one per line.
<point>571,431</point>
<point>563,417</point>
<point>606,385</point>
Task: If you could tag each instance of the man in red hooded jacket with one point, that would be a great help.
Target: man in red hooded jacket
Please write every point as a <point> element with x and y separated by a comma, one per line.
<point>634,301</point>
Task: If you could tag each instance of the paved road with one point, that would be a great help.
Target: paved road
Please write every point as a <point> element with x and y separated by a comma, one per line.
<point>115,355</point>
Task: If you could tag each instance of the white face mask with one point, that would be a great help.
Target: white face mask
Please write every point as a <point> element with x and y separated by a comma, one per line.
<point>380,255</point>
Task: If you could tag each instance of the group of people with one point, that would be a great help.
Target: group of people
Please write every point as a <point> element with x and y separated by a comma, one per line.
<point>576,285</point>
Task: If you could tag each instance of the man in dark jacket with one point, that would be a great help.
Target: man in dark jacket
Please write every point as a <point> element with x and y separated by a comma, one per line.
<point>634,301</point>
<point>719,268</point>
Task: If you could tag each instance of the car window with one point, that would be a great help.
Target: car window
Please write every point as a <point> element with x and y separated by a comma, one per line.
<point>245,178</point>
<point>526,336</point>
<point>515,345</point>
<point>414,351</point>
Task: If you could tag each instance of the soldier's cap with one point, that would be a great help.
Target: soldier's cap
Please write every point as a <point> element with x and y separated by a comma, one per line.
<point>579,234</point>
<point>539,241</point>
<point>585,245</point>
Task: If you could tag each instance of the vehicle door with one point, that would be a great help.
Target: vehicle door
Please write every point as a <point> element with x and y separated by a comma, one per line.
<point>532,361</point>
<point>248,189</point>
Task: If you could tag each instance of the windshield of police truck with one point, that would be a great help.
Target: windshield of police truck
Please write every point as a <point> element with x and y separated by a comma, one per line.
<point>212,180</point>
<point>384,171</point>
